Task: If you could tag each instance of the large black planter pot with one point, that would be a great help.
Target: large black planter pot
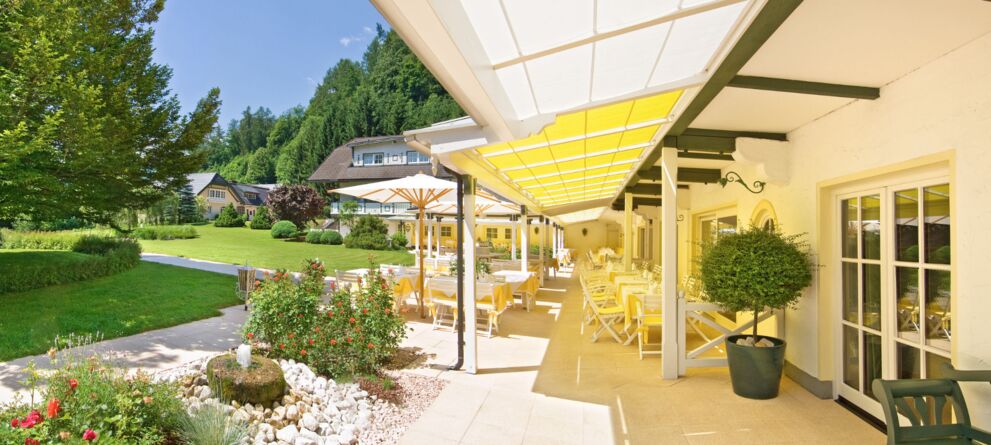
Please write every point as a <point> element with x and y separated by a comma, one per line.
<point>755,372</point>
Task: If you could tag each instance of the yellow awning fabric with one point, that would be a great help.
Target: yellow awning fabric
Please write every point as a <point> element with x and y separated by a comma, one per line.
<point>584,155</point>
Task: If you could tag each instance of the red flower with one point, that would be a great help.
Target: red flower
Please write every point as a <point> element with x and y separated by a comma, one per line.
<point>73,383</point>
<point>316,329</point>
<point>370,346</point>
<point>332,343</point>
<point>54,407</point>
<point>32,419</point>
<point>364,311</point>
<point>352,320</point>
<point>310,341</point>
<point>90,435</point>
<point>388,311</point>
<point>302,352</point>
<point>291,335</point>
<point>282,346</point>
<point>15,422</point>
<point>276,277</point>
<point>330,314</point>
<point>250,335</point>
<point>30,441</point>
<point>257,283</point>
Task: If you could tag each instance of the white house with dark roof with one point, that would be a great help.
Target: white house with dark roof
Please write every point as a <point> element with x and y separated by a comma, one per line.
<point>217,192</point>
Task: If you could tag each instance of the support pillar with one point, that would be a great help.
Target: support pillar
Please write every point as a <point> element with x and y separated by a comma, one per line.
<point>628,232</point>
<point>669,261</point>
<point>437,229</point>
<point>417,232</point>
<point>430,234</point>
<point>471,336</point>
<point>524,239</point>
<point>541,236</point>
<point>512,238</point>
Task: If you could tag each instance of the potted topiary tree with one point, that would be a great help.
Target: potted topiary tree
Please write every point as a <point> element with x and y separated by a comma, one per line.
<point>753,270</point>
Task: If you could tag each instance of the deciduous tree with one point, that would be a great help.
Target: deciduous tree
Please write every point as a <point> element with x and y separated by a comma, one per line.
<point>296,203</point>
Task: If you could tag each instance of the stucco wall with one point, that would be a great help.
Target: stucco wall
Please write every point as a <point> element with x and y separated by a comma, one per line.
<point>943,107</point>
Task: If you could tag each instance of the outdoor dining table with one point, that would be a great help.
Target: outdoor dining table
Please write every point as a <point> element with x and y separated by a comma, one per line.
<point>490,296</point>
<point>523,283</point>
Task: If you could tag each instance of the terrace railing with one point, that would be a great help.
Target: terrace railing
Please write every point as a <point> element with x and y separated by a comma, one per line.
<point>374,208</point>
<point>704,320</point>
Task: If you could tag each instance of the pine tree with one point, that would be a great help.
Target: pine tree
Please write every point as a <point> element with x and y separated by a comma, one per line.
<point>187,206</point>
<point>229,218</point>
<point>261,220</point>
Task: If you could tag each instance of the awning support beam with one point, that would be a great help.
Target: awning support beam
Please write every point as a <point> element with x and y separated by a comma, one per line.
<point>804,87</point>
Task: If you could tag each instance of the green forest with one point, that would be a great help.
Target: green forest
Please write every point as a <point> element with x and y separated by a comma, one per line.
<point>387,92</point>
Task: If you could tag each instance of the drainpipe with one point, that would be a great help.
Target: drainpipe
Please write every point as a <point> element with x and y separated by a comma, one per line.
<point>460,325</point>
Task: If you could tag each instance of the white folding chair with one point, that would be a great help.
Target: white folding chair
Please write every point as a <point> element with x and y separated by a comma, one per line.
<point>648,316</point>
<point>606,317</point>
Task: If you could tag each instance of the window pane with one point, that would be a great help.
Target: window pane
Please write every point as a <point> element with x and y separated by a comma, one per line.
<point>872,362</point>
<point>848,224</point>
<point>934,365</point>
<point>870,215</point>
<point>726,224</point>
<point>908,302</point>
<point>851,354</point>
<point>937,212</point>
<point>907,225</point>
<point>509,233</point>
<point>850,300</point>
<point>872,296</point>
<point>938,327</point>
<point>909,359</point>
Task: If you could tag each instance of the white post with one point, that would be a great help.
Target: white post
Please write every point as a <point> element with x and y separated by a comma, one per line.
<point>437,227</point>
<point>627,232</point>
<point>471,337</point>
<point>416,236</point>
<point>524,240</point>
<point>512,240</point>
<point>554,241</point>
<point>669,262</point>
<point>542,228</point>
<point>430,234</point>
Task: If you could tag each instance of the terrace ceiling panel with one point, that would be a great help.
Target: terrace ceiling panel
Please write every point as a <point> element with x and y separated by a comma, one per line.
<point>743,109</point>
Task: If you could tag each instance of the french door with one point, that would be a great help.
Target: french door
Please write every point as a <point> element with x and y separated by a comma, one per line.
<point>894,286</point>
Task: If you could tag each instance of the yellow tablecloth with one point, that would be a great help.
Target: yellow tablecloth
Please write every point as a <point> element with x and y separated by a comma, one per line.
<point>630,298</point>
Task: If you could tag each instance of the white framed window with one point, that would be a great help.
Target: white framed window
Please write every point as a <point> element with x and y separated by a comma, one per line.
<point>445,231</point>
<point>492,233</point>
<point>373,158</point>
<point>216,194</point>
<point>509,233</point>
<point>415,157</point>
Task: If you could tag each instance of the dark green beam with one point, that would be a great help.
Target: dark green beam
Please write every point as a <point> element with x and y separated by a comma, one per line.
<point>771,16</point>
<point>735,134</point>
<point>804,87</point>
<point>685,174</point>
<point>646,189</point>
<point>707,156</point>
<point>702,143</point>
<point>621,204</point>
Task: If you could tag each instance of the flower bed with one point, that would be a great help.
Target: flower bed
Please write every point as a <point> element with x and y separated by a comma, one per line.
<point>353,334</point>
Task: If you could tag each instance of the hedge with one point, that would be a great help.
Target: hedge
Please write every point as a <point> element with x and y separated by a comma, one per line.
<point>37,240</point>
<point>104,256</point>
<point>165,232</point>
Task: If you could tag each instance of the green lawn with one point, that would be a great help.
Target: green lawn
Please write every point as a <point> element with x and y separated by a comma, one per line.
<point>28,258</point>
<point>258,248</point>
<point>150,296</point>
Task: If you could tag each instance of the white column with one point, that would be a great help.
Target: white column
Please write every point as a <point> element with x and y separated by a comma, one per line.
<point>437,227</point>
<point>669,262</point>
<point>471,337</point>
<point>542,228</point>
<point>524,240</point>
<point>416,236</point>
<point>512,239</point>
<point>430,235</point>
<point>627,232</point>
<point>554,241</point>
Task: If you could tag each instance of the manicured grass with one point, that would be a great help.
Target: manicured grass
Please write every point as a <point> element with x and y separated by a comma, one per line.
<point>150,296</point>
<point>258,248</point>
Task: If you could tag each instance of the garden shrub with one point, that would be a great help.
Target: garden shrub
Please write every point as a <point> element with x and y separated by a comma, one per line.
<point>39,240</point>
<point>283,229</point>
<point>313,236</point>
<point>107,256</point>
<point>331,237</point>
<point>399,241</point>
<point>354,334</point>
<point>165,232</point>
<point>229,218</point>
<point>369,232</point>
<point>89,398</point>
<point>261,220</point>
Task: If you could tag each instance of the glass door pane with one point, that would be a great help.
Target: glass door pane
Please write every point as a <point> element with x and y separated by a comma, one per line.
<point>872,296</point>
<point>907,305</point>
<point>937,213</point>
<point>851,357</point>
<point>907,225</point>
<point>870,222</point>
<point>849,225</point>
<point>851,302</point>
<point>872,362</point>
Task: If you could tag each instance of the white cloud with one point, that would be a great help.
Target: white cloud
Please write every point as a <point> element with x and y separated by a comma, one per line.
<point>369,30</point>
<point>348,40</point>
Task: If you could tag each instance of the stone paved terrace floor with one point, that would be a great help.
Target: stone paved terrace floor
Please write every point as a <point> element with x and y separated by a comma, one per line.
<point>541,382</point>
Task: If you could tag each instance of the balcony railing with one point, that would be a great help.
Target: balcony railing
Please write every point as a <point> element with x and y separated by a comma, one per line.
<point>374,208</point>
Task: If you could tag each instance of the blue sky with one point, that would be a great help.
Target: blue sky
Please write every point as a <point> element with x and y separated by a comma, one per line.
<point>260,53</point>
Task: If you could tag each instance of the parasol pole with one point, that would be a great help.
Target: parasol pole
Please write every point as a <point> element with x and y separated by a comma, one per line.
<point>419,248</point>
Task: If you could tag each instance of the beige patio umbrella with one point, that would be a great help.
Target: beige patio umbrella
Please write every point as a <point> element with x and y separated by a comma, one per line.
<point>419,190</point>
<point>486,207</point>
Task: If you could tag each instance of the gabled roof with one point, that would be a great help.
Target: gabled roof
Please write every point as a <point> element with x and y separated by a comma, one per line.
<point>337,167</point>
<point>259,190</point>
<point>200,181</point>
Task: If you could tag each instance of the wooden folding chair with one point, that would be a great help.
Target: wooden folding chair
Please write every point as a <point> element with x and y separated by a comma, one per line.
<point>605,317</point>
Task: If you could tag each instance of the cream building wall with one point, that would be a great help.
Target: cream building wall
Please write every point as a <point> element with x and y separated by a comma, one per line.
<point>937,115</point>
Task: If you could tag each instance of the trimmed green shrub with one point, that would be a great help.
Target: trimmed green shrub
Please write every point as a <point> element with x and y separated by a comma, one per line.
<point>65,240</point>
<point>313,236</point>
<point>399,241</point>
<point>331,237</point>
<point>283,229</point>
<point>369,232</point>
<point>755,269</point>
<point>261,220</point>
<point>104,256</point>
<point>164,232</point>
<point>229,218</point>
